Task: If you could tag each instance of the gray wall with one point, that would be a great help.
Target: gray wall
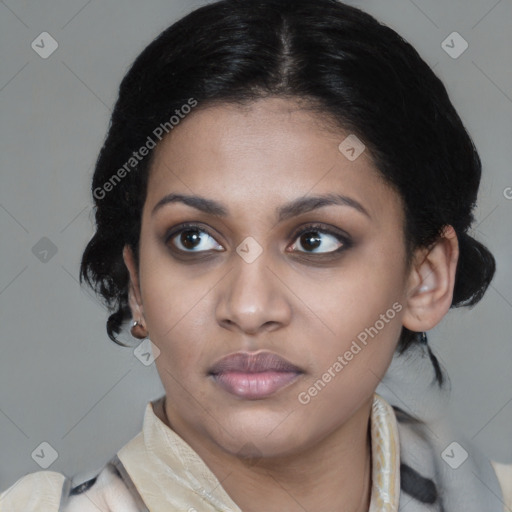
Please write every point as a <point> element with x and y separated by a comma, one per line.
<point>62,381</point>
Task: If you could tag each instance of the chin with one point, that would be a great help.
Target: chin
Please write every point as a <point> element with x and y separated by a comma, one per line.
<point>260,435</point>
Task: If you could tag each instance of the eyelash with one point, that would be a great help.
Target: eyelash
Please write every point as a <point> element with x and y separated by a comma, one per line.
<point>311,228</point>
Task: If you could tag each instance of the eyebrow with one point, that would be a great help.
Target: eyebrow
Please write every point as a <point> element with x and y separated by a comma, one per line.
<point>284,212</point>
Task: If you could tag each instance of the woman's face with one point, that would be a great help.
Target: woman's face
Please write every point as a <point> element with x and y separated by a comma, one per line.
<point>295,250</point>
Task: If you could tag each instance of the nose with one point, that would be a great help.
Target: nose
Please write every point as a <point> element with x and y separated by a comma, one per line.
<point>253,297</point>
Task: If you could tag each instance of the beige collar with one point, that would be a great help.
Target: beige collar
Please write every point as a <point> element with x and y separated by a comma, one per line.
<point>168,472</point>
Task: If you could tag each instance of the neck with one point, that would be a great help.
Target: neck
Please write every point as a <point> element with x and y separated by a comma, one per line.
<point>332,475</point>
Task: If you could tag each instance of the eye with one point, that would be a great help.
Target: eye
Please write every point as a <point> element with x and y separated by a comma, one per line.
<point>319,240</point>
<point>192,238</point>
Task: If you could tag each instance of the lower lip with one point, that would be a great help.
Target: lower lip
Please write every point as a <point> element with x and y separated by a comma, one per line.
<point>252,386</point>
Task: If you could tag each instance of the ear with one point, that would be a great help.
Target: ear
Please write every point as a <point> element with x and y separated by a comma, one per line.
<point>134,295</point>
<point>431,283</point>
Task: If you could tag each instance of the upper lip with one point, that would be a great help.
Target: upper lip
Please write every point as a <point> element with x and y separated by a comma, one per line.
<point>253,363</point>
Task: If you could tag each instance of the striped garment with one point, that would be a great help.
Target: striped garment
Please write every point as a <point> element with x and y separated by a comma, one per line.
<point>157,471</point>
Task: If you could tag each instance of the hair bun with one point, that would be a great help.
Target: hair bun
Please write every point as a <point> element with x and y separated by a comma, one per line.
<point>475,270</point>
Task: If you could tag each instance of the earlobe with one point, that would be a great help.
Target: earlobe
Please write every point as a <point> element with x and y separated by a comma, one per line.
<point>431,283</point>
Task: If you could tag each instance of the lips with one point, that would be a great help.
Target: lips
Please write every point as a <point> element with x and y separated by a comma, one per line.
<point>253,363</point>
<point>253,376</point>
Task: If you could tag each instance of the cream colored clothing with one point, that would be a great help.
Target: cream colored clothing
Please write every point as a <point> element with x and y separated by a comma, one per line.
<point>157,471</point>
<point>175,462</point>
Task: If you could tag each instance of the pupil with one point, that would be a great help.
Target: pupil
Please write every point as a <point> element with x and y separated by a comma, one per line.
<point>189,237</point>
<point>306,240</point>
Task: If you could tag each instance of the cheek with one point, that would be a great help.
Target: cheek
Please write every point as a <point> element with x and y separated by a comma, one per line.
<point>361,303</point>
<point>349,365</point>
<point>175,307</point>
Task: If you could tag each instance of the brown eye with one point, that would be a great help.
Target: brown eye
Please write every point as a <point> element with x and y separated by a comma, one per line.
<point>319,241</point>
<point>311,240</point>
<point>190,238</point>
<point>193,239</point>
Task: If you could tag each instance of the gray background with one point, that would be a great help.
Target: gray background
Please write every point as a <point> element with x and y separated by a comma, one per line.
<point>61,379</point>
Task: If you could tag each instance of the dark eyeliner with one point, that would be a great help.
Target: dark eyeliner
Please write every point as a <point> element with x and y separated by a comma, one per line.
<point>315,227</point>
<point>182,227</point>
<point>189,256</point>
<point>342,237</point>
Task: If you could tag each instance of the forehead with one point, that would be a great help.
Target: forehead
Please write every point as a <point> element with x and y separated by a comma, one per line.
<point>263,154</point>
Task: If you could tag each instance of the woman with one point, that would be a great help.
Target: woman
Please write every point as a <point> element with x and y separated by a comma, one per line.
<point>282,203</point>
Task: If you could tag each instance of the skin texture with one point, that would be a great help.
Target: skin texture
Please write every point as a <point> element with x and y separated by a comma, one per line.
<point>294,299</point>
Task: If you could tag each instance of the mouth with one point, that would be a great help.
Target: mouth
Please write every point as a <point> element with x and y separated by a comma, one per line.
<point>254,376</point>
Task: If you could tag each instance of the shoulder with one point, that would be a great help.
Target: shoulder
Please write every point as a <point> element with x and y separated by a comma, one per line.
<point>49,491</point>
<point>435,468</point>
<point>504,474</point>
<point>41,490</point>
